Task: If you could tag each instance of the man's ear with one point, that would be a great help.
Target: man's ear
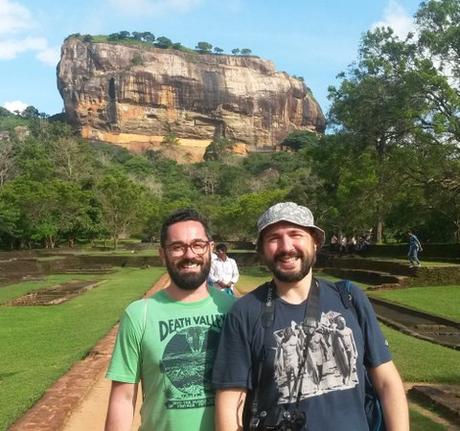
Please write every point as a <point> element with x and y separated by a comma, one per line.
<point>211,246</point>
<point>162,255</point>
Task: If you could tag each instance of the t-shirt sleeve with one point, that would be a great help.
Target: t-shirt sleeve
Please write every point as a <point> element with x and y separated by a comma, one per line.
<point>125,365</point>
<point>232,366</point>
<point>376,351</point>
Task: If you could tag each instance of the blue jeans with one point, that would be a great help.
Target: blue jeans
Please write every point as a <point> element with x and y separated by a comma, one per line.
<point>413,256</point>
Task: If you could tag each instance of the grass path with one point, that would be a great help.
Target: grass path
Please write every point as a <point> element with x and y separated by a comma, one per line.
<point>440,300</point>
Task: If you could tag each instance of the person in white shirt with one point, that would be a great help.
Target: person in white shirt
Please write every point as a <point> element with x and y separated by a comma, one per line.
<point>224,271</point>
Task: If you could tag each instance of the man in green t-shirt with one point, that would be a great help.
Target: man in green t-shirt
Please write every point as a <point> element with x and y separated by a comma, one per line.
<point>168,341</point>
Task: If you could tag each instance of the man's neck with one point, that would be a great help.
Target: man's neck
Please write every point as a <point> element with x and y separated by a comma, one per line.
<point>184,295</point>
<point>294,292</point>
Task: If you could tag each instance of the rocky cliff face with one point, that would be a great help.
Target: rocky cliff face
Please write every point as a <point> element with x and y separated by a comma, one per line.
<point>134,97</point>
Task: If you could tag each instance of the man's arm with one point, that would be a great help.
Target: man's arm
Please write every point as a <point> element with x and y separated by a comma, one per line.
<point>214,273</point>
<point>122,403</point>
<point>390,389</point>
<point>235,273</point>
<point>229,409</point>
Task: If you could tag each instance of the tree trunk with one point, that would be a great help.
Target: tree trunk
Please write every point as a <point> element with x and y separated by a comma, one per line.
<point>378,231</point>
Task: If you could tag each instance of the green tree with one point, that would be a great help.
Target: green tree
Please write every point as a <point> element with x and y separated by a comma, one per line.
<point>378,104</point>
<point>236,219</point>
<point>218,149</point>
<point>299,139</point>
<point>148,37</point>
<point>203,47</point>
<point>235,51</point>
<point>246,51</point>
<point>31,112</point>
<point>122,202</point>
<point>6,161</point>
<point>163,42</point>
<point>218,50</point>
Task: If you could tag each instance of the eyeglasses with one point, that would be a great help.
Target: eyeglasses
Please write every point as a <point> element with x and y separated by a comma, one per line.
<point>178,249</point>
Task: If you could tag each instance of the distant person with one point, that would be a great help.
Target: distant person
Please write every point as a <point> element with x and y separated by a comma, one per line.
<point>334,243</point>
<point>343,244</point>
<point>351,244</point>
<point>414,247</point>
<point>224,272</point>
<point>169,340</point>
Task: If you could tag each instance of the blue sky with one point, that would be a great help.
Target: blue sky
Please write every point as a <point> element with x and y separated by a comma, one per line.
<point>314,39</point>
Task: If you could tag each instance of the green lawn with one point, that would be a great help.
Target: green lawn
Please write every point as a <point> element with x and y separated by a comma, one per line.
<point>39,344</point>
<point>441,300</point>
<point>251,277</point>
<point>421,361</point>
<point>419,422</point>
<point>15,290</point>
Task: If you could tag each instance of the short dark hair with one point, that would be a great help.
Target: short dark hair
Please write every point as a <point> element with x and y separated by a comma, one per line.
<point>183,214</point>
<point>221,247</point>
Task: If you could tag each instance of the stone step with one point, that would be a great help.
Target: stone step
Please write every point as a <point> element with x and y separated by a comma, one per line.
<point>388,266</point>
<point>367,276</point>
<point>443,398</point>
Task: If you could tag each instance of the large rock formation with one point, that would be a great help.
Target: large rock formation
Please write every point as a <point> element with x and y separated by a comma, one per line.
<point>135,96</point>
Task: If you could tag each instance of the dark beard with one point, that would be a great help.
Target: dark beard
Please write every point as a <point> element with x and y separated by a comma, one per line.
<point>188,281</point>
<point>307,263</point>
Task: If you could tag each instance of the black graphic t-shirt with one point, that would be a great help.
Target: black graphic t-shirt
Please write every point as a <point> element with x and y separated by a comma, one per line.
<point>328,382</point>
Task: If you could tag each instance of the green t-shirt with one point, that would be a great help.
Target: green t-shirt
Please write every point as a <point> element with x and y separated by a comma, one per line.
<point>170,346</point>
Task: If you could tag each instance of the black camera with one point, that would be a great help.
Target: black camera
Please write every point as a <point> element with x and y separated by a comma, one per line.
<point>278,419</point>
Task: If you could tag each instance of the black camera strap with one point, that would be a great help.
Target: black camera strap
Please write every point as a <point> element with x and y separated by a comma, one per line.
<point>310,323</point>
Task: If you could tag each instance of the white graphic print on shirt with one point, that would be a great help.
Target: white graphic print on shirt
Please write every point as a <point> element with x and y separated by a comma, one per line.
<point>331,360</point>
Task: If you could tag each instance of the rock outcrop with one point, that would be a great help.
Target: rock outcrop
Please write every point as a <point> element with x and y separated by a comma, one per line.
<point>136,96</point>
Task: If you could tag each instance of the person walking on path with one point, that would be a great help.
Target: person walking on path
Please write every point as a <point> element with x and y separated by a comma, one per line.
<point>292,355</point>
<point>414,247</point>
<point>224,271</point>
<point>169,340</point>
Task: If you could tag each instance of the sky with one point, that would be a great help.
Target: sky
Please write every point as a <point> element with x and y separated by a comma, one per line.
<point>316,39</point>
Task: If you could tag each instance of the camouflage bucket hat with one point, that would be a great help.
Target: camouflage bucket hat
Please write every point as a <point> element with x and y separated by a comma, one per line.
<point>292,213</point>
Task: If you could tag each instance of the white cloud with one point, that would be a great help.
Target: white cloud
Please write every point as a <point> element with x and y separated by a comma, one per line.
<point>49,56</point>
<point>10,49</point>
<point>13,17</point>
<point>396,17</point>
<point>149,7</point>
<point>15,105</point>
<point>14,20</point>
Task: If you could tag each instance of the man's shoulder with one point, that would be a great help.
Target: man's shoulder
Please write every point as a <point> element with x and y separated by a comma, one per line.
<point>252,299</point>
<point>136,307</point>
<point>222,298</point>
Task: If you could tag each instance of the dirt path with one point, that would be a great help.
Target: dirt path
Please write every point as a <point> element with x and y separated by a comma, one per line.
<point>90,415</point>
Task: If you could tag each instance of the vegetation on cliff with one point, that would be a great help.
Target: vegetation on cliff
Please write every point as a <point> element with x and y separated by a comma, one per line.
<point>147,39</point>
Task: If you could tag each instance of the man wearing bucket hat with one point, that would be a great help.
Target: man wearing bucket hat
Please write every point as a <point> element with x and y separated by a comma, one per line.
<point>296,352</point>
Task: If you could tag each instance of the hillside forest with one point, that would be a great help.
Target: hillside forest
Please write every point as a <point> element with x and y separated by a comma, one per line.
<point>388,162</point>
